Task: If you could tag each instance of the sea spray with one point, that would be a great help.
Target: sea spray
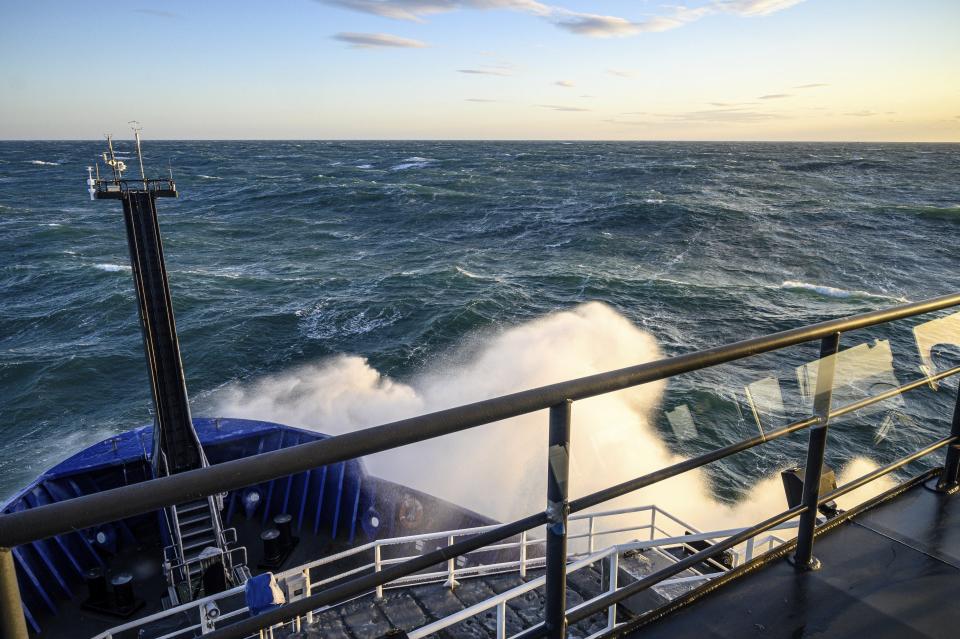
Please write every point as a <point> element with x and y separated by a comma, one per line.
<point>499,469</point>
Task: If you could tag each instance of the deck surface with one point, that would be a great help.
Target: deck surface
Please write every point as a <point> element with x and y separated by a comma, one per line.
<point>892,572</point>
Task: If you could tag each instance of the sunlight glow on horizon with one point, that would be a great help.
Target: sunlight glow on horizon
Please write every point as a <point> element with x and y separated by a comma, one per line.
<point>863,70</point>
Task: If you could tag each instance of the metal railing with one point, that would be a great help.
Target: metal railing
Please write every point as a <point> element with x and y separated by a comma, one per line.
<point>305,580</point>
<point>82,512</point>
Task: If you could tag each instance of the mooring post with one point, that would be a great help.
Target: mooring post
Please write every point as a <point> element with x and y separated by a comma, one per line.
<point>12,623</point>
<point>950,475</point>
<point>558,507</point>
<point>816,448</point>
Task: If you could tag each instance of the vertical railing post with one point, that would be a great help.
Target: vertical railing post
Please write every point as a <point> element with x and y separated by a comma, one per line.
<point>502,620</point>
<point>377,562</point>
<point>950,475</point>
<point>558,507</point>
<point>12,622</point>
<point>612,587</point>
<point>590,546</point>
<point>451,581</point>
<point>307,591</point>
<point>803,559</point>
<point>523,554</point>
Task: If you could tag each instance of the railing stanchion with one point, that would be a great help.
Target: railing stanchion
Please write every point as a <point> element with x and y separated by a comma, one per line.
<point>803,559</point>
<point>612,587</point>
<point>590,536</point>
<point>502,620</point>
<point>376,568</point>
<point>451,581</point>
<point>307,588</point>
<point>558,507</point>
<point>523,555</point>
<point>950,475</point>
<point>12,622</point>
<point>653,522</point>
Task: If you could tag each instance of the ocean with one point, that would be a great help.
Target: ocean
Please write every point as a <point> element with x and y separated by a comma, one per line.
<point>336,285</point>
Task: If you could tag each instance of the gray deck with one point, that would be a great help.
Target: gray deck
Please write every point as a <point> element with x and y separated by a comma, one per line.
<point>892,572</point>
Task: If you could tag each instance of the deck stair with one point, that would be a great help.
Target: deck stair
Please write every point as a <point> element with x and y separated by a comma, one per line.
<point>491,593</point>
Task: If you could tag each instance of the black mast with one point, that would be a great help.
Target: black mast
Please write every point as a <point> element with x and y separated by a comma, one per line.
<point>176,447</point>
<point>200,547</point>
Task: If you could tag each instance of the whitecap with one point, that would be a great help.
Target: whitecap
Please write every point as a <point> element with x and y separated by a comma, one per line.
<point>414,162</point>
<point>465,272</point>
<point>653,200</point>
<point>364,166</point>
<point>111,268</point>
<point>42,163</point>
<point>839,293</point>
<point>209,177</point>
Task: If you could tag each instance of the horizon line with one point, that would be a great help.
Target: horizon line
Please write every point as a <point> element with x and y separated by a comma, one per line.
<point>573,140</point>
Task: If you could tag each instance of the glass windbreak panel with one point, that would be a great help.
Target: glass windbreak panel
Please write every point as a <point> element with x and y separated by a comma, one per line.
<point>681,422</point>
<point>765,399</point>
<point>938,342</point>
<point>859,373</point>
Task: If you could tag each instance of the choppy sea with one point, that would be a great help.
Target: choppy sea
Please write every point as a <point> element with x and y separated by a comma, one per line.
<point>286,254</point>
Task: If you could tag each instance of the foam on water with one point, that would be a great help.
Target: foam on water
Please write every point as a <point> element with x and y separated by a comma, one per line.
<point>500,469</point>
<point>830,291</point>
<point>112,268</point>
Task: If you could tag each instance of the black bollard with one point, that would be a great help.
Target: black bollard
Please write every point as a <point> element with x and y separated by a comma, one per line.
<point>283,526</point>
<point>122,590</point>
<point>96,582</point>
<point>271,545</point>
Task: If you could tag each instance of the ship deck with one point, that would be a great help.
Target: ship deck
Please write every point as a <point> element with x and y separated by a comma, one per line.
<point>892,571</point>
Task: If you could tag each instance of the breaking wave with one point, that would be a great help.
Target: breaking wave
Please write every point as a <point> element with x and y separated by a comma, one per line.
<point>500,469</point>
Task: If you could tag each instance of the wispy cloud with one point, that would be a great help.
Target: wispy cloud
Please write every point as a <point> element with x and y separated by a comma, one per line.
<point>621,73</point>
<point>865,113</point>
<point>561,107</point>
<point>376,40</point>
<point>727,115</point>
<point>170,15</point>
<point>811,86</point>
<point>485,71</point>
<point>565,83</point>
<point>774,96</point>
<point>587,24</point>
<point>733,115</point>
<point>730,104</point>
<point>483,100</point>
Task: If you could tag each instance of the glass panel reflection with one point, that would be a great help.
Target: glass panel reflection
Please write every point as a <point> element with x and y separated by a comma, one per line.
<point>766,402</point>
<point>938,342</point>
<point>863,371</point>
<point>681,421</point>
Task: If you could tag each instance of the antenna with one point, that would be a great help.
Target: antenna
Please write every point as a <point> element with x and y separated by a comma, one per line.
<point>135,126</point>
<point>110,159</point>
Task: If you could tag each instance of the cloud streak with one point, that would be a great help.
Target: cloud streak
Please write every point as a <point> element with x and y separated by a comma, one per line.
<point>774,96</point>
<point>565,83</point>
<point>485,71</point>
<point>561,107</point>
<point>377,40</point>
<point>579,23</point>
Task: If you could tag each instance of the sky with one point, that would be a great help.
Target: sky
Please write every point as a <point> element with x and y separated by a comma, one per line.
<point>832,70</point>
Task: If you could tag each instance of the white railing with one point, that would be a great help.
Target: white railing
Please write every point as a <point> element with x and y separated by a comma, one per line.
<point>658,530</point>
